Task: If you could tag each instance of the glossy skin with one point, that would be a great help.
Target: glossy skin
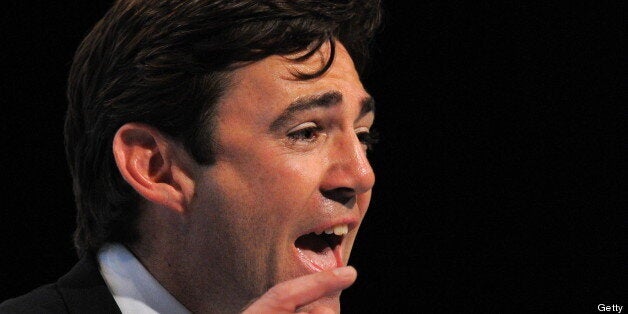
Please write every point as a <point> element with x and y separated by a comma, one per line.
<point>274,181</point>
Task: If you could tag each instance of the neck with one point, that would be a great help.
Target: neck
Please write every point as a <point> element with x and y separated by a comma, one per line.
<point>163,250</point>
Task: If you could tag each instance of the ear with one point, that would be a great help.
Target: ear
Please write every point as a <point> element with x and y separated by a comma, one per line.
<point>157,167</point>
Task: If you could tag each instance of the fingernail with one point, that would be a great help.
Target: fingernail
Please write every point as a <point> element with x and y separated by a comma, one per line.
<point>346,271</point>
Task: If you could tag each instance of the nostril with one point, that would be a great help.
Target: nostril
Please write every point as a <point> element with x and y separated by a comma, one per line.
<point>340,195</point>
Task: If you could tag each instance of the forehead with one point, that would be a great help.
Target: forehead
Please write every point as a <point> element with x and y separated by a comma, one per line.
<point>268,86</point>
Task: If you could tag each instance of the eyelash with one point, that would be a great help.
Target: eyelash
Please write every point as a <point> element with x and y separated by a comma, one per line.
<point>369,139</point>
<point>309,134</point>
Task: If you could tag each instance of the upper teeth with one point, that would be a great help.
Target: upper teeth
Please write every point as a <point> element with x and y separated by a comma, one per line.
<point>337,230</point>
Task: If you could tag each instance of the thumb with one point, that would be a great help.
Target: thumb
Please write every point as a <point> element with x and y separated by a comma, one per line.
<point>289,295</point>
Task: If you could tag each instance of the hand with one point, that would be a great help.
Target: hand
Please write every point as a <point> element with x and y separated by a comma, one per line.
<point>289,295</point>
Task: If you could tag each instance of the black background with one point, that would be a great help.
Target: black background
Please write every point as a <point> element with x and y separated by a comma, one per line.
<point>499,173</point>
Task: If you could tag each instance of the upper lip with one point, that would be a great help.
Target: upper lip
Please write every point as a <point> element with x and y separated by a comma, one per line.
<point>350,221</point>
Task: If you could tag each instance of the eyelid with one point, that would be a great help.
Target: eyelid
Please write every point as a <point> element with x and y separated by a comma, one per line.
<point>303,126</point>
<point>362,130</point>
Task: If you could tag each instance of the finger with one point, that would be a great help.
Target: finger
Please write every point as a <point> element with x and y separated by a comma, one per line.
<point>300,291</point>
<point>321,310</point>
<point>307,289</point>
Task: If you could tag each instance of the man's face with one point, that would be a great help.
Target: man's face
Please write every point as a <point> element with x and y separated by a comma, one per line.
<point>290,163</point>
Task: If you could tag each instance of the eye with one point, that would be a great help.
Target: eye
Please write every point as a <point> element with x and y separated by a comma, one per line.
<point>307,132</point>
<point>367,137</point>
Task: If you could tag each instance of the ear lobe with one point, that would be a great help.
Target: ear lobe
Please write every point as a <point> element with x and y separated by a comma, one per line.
<point>146,161</point>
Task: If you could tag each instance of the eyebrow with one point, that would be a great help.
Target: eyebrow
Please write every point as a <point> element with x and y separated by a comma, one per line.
<point>325,100</point>
<point>367,104</point>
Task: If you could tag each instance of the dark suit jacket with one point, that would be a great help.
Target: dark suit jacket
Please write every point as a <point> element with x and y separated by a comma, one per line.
<point>82,290</point>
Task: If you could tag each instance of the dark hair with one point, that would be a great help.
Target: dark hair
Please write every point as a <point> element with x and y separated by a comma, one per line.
<point>166,63</point>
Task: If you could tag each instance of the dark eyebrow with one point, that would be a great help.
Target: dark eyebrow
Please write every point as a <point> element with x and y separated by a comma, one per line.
<point>368,105</point>
<point>324,100</point>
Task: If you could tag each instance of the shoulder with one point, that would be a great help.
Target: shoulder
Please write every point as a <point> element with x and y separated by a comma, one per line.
<point>45,299</point>
<point>81,290</point>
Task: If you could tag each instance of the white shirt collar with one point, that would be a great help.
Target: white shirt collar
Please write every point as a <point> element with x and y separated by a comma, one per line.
<point>133,288</point>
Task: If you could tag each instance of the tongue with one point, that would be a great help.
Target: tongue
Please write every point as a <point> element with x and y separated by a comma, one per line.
<point>316,251</point>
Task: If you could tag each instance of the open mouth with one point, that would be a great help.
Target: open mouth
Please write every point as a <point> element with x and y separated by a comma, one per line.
<point>322,250</point>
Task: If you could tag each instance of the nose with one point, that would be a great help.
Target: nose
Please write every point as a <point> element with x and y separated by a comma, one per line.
<point>349,172</point>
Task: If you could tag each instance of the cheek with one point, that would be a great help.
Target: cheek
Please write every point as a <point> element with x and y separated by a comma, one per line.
<point>363,201</point>
<point>289,179</point>
<point>267,193</point>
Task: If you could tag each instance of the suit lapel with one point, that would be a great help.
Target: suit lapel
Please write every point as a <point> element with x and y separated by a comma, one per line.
<point>84,290</point>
